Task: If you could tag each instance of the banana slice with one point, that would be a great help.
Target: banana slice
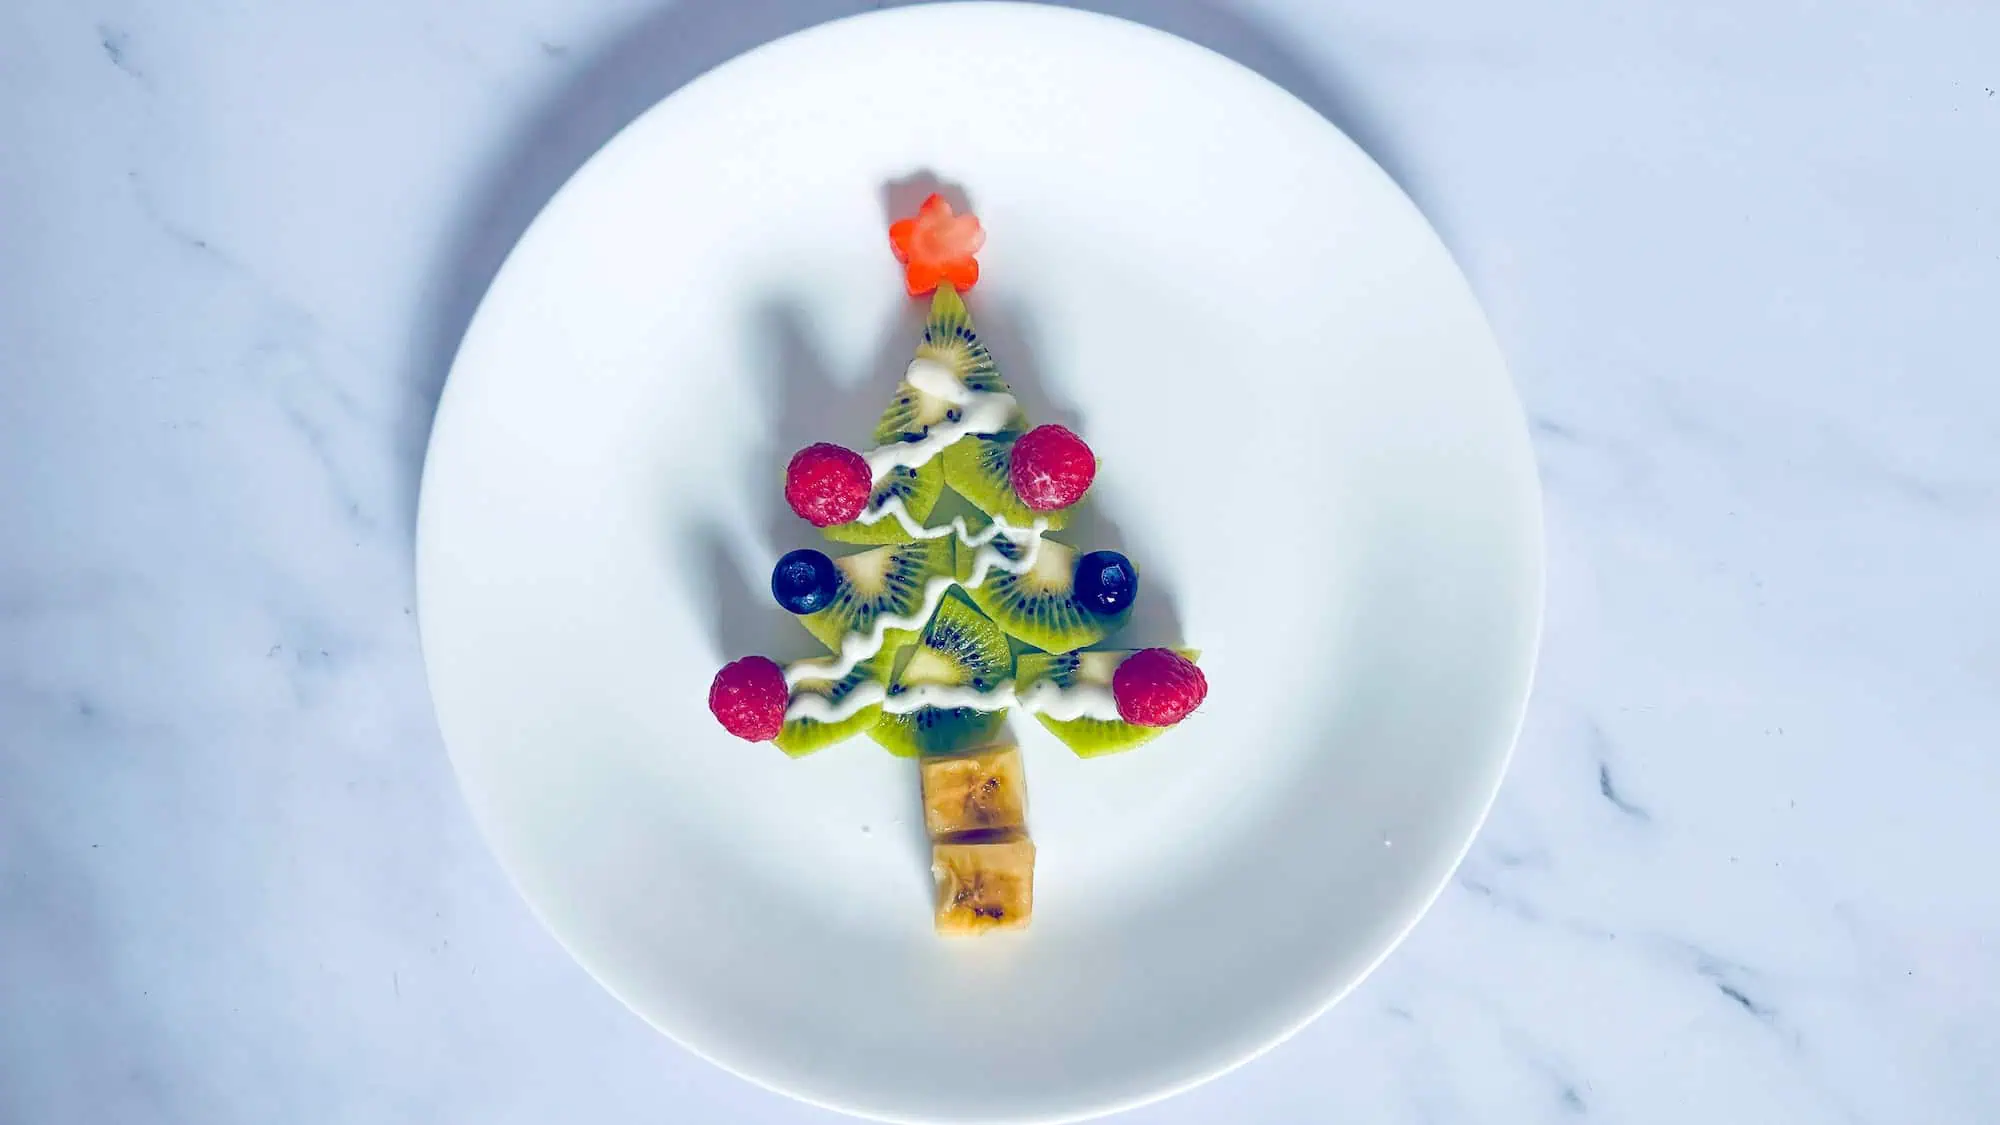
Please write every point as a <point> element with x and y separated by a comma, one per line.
<point>978,792</point>
<point>984,886</point>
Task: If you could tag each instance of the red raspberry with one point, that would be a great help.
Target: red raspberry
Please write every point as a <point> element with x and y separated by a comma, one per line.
<point>749,697</point>
<point>1052,468</point>
<point>826,484</point>
<point>1157,687</point>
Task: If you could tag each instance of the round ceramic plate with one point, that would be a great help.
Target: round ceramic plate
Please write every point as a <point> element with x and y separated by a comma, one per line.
<point>1310,448</point>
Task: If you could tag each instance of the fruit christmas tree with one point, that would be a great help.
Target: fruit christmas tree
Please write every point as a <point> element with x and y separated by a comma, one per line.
<point>936,631</point>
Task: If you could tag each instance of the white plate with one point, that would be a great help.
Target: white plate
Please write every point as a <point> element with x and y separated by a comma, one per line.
<point>1310,447</point>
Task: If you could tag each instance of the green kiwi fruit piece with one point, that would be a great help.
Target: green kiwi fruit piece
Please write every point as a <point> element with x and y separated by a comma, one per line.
<point>803,736</point>
<point>886,581</point>
<point>960,648</point>
<point>918,488</point>
<point>950,339</point>
<point>1089,738</point>
<point>1039,607</point>
<point>978,468</point>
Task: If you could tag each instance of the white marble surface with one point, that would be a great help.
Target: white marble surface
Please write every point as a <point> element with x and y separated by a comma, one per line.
<point>1744,259</point>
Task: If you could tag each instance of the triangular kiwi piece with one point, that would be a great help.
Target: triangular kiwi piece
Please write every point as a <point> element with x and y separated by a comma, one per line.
<point>1038,607</point>
<point>959,648</point>
<point>979,468</point>
<point>887,581</point>
<point>949,339</point>
<point>1089,738</point>
<point>919,490</point>
<point>803,736</point>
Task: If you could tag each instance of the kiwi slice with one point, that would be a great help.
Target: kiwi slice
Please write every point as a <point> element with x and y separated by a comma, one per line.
<point>950,339</point>
<point>1039,607</point>
<point>887,581</point>
<point>803,736</point>
<point>979,469</point>
<point>960,648</point>
<point>1089,738</point>
<point>909,416</point>
<point>918,489</point>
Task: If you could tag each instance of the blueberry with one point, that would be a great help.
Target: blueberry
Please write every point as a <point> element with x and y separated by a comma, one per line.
<point>804,581</point>
<point>1106,582</point>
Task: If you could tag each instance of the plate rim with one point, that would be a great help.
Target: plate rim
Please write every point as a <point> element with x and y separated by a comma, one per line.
<point>1532,530</point>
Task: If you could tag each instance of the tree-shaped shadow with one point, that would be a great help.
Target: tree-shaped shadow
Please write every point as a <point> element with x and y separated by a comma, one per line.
<point>808,402</point>
<point>604,87</point>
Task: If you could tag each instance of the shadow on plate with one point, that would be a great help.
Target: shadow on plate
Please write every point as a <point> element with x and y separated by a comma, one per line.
<point>663,51</point>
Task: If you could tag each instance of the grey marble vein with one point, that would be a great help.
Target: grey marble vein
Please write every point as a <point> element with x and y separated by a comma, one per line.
<point>1743,260</point>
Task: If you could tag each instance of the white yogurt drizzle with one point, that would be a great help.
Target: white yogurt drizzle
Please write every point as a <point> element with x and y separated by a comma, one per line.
<point>857,647</point>
<point>981,412</point>
<point>1044,697</point>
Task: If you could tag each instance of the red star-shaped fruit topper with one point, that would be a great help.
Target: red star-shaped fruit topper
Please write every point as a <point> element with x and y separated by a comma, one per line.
<point>937,246</point>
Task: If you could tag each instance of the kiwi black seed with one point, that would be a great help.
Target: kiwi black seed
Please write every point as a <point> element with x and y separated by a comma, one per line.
<point>918,489</point>
<point>980,469</point>
<point>800,737</point>
<point>959,647</point>
<point>1040,607</point>
<point>1088,737</point>
<point>950,339</point>
<point>886,580</point>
